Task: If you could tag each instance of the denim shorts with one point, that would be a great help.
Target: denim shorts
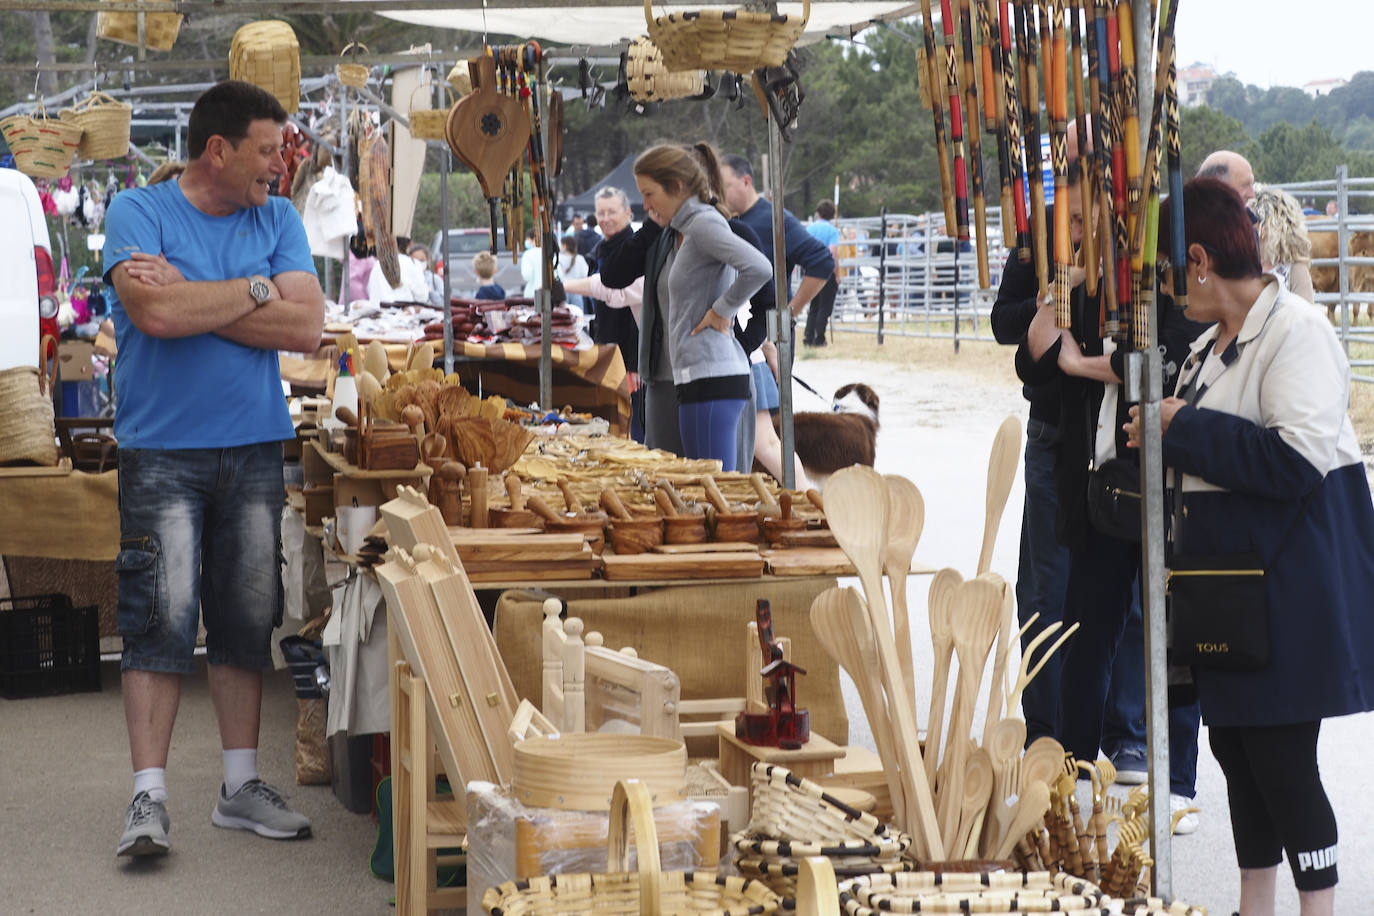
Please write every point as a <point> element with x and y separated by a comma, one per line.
<point>765,387</point>
<point>200,533</point>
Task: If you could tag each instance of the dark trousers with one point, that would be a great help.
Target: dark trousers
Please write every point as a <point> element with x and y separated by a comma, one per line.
<point>818,313</point>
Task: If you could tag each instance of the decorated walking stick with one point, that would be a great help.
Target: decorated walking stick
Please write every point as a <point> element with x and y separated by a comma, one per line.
<point>1130,102</point>
<point>1029,47</point>
<point>995,102</point>
<point>1016,153</point>
<point>1099,90</point>
<point>975,144</point>
<point>1085,185</point>
<point>956,123</point>
<point>937,110</point>
<point>1177,247</point>
<point>1120,207</point>
<point>1057,60</point>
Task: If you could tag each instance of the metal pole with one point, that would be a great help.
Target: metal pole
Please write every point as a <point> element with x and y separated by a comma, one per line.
<point>543,296</point>
<point>956,295</point>
<point>882,268</point>
<point>344,281</point>
<point>448,257</point>
<point>1343,251</point>
<point>783,331</point>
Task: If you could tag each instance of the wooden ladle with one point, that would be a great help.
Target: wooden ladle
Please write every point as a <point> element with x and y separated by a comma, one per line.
<point>906,517</point>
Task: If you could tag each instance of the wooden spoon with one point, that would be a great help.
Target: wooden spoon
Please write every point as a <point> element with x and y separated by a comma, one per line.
<point>979,782</point>
<point>1034,802</point>
<point>610,501</point>
<point>1042,763</point>
<point>906,517</point>
<point>1001,473</point>
<point>998,691</point>
<point>414,418</point>
<point>858,519</point>
<point>941,614</point>
<point>1004,742</point>
<point>574,506</point>
<point>837,617</point>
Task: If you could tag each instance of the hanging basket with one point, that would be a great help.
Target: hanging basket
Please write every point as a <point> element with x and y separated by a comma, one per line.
<point>428,123</point>
<point>353,74</point>
<point>621,892</point>
<point>736,40</point>
<point>649,78</point>
<point>268,55</point>
<point>43,147</point>
<point>159,29</point>
<point>105,125</point>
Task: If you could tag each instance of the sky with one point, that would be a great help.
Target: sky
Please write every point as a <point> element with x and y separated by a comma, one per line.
<point>1276,42</point>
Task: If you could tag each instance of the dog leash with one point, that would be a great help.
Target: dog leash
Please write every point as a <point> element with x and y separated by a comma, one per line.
<point>803,383</point>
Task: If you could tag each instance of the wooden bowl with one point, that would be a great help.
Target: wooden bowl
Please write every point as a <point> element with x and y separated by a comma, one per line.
<point>592,525</point>
<point>636,536</point>
<point>775,528</point>
<point>514,518</point>
<point>685,529</point>
<point>736,526</point>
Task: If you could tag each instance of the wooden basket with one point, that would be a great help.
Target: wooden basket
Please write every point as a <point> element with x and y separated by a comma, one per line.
<point>43,147</point>
<point>579,771</point>
<point>352,74</point>
<point>621,892</point>
<point>714,39</point>
<point>428,123</point>
<point>267,54</point>
<point>105,125</point>
<point>787,807</point>
<point>651,81</point>
<point>159,29</point>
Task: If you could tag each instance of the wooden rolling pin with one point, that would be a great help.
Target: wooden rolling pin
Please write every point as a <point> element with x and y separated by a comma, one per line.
<point>477,497</point>
<point>713,494</point>
<point>569,497</point>
<point>517,499</point>
<point>542,509</point>
<point>610,501</point>
<point>767,504</point>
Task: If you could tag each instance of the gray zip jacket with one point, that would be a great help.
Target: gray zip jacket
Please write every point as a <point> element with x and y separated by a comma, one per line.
<point>714,269</point>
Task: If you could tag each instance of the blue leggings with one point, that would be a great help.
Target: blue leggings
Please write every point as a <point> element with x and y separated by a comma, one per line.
<point>709,429</point>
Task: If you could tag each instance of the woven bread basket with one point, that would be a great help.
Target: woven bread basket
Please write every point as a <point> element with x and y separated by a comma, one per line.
<point>579,771</point>
<point>713,39</point>
<point>428,123</point>
<point>620,892</point>
<point>159,29</point>
<point>651,81</point>
<point>352,74</point>
<point>27,434</point>
<point>42,146</point>
<point>104,123</point>
<point>268,55</point>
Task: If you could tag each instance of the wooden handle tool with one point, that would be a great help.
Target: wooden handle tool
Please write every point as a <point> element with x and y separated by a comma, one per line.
<point>610,501</point>
<point>517,500</point>
<point>346,416</point>
<point>574,506</point>
<point>767,504</point>
<point>667,487</point>
<point>665,503</point>
<point>713,494</point>
<point>542,509</point>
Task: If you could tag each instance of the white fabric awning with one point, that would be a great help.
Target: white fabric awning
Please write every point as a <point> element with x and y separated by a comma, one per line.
<point>610,25</point>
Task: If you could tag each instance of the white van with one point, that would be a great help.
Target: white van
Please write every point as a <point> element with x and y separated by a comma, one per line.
<point>28,295</point>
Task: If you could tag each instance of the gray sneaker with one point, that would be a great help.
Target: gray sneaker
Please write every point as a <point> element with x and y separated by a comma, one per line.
<point>262,809</point>
<point>146,826</point>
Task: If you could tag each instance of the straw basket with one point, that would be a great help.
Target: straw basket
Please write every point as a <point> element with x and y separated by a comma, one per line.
<point>1005,892</point>
<point>267,54</point>
<point>736,40</point>
<point>621,892</point>
<point>43,147</point>
<point>579,771</point>
<point>428,123</point>
<point>787,807</point>
<point>352,74</point>
<point>651,81</point>
<point>27,435</point>
<point>159,29</point>
<point>105,122</point>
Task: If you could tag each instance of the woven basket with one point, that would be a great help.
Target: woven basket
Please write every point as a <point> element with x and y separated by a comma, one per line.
<point>43,147</point>
<point>27,434</point>
<point>736,40</point>
<point>267,54</point>
<point>787,807</point>
<point>159,29</point>
<point>621,892</point>
<point>428,123</point>
<point>352,74</point>
<point>105,122</point>
<point>1005,892</point>
<point>651,81</point>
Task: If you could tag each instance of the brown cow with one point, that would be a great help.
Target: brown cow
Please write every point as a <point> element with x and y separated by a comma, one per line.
<point>1326,279</point>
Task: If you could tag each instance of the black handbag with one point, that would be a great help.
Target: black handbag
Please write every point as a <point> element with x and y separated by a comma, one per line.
<point>1218,612</point>
<point>1114,498</point>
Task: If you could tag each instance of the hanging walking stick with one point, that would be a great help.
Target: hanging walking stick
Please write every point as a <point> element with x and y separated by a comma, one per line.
<point>938,111</point>
<point>975,144</point>
<point>1016,153</point>
<point>956,123</point>
<point>1099,86</point>
<point>1130,102</point>
<point>995,109</point>
<point>1145,232</point>
<point>1057,61</point>
<point>1028,45</point>
<point>1177,246</point>
<point>1085,184</point>
<point>1120,207</point>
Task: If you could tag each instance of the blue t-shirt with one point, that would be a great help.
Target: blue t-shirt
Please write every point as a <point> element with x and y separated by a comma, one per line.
<point>202,391</point>
<point>824,231</point>
<point>490,291</point>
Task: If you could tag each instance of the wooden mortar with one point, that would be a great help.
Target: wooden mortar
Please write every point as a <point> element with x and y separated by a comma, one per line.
<point>635,535</point>
<point>785,523</point>
<point>516,516</point>
<point>592,525</point>
<point>729,525</point>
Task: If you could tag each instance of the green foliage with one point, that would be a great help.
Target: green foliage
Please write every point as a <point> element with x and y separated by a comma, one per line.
<point>1203,130</point>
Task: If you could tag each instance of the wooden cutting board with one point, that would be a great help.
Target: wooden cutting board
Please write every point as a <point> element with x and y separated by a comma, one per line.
<point>809,561</point>
<point>525,549</point>
<point>818,537</point>
<point>741,565</point>
<point>717,547</point>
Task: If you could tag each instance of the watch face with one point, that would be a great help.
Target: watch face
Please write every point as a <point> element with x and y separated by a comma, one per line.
<point>259,291</point>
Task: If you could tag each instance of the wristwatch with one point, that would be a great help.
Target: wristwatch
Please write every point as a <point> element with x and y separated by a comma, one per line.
<point>259,290</point>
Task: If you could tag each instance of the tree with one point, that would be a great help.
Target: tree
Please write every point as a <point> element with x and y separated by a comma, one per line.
<point>1227,96</point>
<point>1203,131</point>
<point>1286,153</point>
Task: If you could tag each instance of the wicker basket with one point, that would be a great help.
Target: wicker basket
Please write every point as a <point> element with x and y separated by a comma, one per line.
<point>1005,892</point>
<point>621,892</point>
<point>787,807</point>
<point>651,81</point>
<point>353,74</point>
<point>43,147</point>
<point>105,122</point>
<point>428,123</point>
<point>27,435</point>
<point>267,54</point>
<point>159,29</point>
<point>714,39</point>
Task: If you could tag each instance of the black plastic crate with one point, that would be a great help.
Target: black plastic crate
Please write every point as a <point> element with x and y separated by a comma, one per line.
<point>48,647</point>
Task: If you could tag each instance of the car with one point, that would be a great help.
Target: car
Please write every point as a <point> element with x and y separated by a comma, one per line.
<point>462,245</point>
<point>28,299</point>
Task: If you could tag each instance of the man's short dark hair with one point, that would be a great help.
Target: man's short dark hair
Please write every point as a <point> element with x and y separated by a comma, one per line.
<point>1215,170</point>
<point>825,210</point>
<point>227,109</point>
<point>739,165</point>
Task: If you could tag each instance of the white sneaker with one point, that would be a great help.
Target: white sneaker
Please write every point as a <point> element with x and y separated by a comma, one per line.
<point>1188,822</point>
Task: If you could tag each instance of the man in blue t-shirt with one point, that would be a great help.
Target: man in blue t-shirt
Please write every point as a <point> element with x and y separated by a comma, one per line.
<point>818,316</point>
<point>211,277</point>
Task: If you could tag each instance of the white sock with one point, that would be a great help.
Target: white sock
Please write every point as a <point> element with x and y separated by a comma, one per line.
<point>240,766</point>
<point>153,780</point>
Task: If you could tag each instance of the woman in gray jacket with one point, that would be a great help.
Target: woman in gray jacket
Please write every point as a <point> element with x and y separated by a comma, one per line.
<point>710,275</point>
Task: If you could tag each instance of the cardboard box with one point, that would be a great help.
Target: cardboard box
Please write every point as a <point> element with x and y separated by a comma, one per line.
<point>74,360</point>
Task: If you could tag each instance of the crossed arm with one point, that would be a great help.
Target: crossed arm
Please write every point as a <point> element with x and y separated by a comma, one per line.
<point>162,303</point>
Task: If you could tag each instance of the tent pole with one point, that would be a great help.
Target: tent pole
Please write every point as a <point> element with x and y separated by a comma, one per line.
<point>543,297</point>
<point>782,336</point>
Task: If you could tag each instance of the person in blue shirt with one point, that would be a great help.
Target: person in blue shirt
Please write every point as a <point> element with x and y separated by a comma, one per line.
<point>823,228</point>
<point>484,267</point>
<point>211,277</point>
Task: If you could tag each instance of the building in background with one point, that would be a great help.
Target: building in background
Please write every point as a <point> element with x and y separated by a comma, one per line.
<point>1193,83</point>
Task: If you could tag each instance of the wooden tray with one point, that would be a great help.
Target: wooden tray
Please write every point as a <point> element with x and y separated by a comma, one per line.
<point>809,561</point>
<point>739,565</point>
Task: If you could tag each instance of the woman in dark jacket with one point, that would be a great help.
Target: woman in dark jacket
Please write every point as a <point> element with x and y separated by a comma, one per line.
<point>1258,441</point>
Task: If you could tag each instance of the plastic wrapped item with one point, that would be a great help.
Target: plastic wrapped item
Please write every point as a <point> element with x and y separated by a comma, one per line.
<point>508,841</point>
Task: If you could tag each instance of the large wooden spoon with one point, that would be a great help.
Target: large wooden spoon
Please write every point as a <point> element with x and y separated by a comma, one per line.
<point>941,615</point>
<point>857,501</point>
<point>906,517</point>
<point>1034,802</point>
<point>979,781</point>
<point>1004,743</point>
<point>1001,474</point>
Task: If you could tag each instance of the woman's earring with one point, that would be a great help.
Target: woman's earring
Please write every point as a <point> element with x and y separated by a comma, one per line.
<point>1201,281</point>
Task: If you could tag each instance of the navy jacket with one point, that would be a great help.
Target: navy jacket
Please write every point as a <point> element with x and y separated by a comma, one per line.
<point>802,249</point>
